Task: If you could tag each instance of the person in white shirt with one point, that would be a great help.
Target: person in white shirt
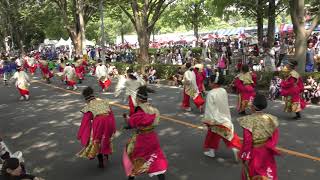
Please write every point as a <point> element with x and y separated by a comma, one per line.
<point>283,53</point>
<point>217,118</point>
<point>179,59</point>
<point>19,61</point>
<point>130,82</point>
<point>22,83</point>
<point>70,75</point>
<point>269,60</point>
<point>188,55</point>
<point>190,88</point>
<point>102,74</point>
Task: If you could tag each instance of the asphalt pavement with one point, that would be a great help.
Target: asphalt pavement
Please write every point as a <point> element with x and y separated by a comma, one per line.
<point>45,129</point>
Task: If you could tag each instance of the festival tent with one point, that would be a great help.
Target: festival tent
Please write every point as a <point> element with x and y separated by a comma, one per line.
<point>209,36</point>
<point>61,42</point>
<point>50,42</point>
<point>90,43</point>
<point>69,41</point>
<point>190,38</point>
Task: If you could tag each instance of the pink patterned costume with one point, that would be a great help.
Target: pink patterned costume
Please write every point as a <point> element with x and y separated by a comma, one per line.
<point>97,129</point>
<point>291,89</point>
<point>260,137</point>
<point>143,153</point>
<point>245,84</point>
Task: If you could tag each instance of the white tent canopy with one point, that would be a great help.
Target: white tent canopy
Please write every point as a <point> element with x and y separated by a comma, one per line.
<point>90,43</point>
<point>48,42</point>
<point>61,42</point>
<point>69,41</point>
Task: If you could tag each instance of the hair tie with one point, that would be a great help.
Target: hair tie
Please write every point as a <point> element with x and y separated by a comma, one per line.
<point>217,78</point>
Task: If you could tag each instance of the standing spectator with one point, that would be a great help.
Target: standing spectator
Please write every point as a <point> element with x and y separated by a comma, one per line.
<point>222,63</point>
<point>209,72</point>
<point>179,59</point>
<point>188,55</point>
<point>269,60</point>
<point>283,53</point>
<point>92,54</point>
<point>310,58</point>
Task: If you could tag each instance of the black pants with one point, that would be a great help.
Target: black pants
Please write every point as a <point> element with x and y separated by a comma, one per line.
<point>281,56</point>
<point>160,177</point>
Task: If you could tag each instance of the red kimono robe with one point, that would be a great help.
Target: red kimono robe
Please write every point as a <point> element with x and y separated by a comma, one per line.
<point>200,77</point>
<point>143,153</point>
<point>46,74</point>
<point>291,89</point>
<point>80,70</point>
<point>97,129</point>
<point>245,86</point>
<point>260,138</point>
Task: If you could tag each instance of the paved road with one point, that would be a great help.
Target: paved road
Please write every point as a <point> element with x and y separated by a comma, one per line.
<point>45,130</point>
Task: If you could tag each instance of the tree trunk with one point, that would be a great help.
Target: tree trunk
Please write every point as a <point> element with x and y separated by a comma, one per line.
<point>81,27</point>
<point>18,38</point>
<point>103,38</point>
<point>271,22</point>
<point>76,39</point>
<point>144,39</point>
<point>300,48</point>
<point>260,24</point>
<point>298,20</point>
<point>195,23</point>
<point>196,33</point>
<point>122,36</point>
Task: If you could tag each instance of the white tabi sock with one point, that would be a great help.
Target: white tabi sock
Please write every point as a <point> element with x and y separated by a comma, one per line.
<point>210,153</point>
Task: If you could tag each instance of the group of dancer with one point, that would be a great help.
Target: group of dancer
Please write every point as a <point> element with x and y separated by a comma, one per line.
<point>260,130</point>
<point>71,73</point>
<point>142,153</point>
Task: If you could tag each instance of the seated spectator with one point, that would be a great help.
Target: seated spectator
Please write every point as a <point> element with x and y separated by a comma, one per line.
<point>13,170</point>
<point>310,89</point>
<point>178,77</point>
<point>316,100</point>
<point>274,89</point>
<point>151,75</point>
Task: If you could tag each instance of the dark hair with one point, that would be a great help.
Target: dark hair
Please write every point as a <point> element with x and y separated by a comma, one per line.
<point>130,74</point>
<point>260,102</point>
<point>293,64</point>
<point>11,163</point>
<point>143,91</point>
<point>219,81</point>
<point>245,68</point>
<point>87,93</point>
<point>188,65</point>
<point>129,71</point>
<point>99,61</point>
